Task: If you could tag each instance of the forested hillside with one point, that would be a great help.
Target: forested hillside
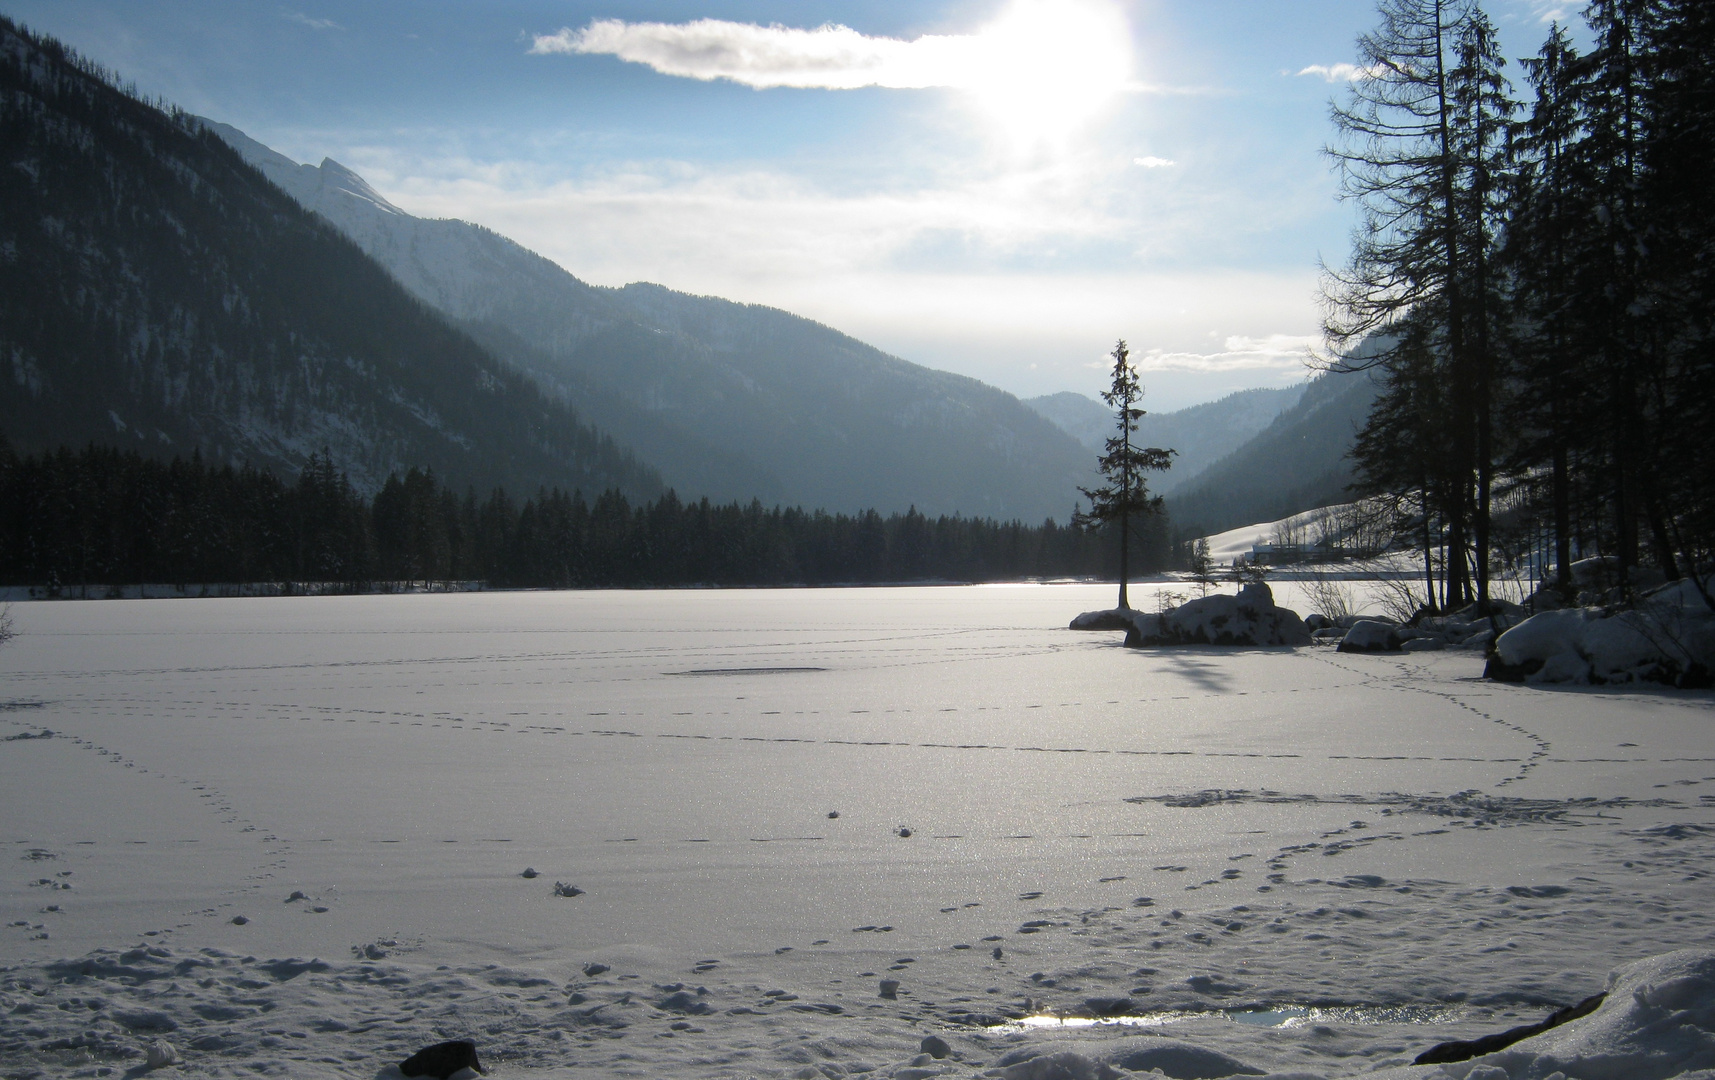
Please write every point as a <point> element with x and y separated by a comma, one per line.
<point>1299,462</point>
<point>726,399</point>
<point>157,292</point>
<point>1199,435</point>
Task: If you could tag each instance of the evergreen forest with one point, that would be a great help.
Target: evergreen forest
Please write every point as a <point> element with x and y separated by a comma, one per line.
<point>107,518</point>
<point>1531,283</point>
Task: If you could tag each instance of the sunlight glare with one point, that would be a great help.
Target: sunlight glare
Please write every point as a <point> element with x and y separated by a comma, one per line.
<point>1046,67</point>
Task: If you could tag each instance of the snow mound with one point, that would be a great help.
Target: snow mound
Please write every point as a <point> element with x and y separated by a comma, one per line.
<point>1657,1022</point>
<point>1668,637</point>
<point>1250,618</point>
<point>1115,1058</point>
<point>1371,635</point>
<point>1111,619</point>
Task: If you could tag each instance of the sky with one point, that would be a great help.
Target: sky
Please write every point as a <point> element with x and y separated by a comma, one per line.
<point>1000,188</point>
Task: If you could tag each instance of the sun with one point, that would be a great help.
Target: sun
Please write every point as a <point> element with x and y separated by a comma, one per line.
<point>1047,67</point>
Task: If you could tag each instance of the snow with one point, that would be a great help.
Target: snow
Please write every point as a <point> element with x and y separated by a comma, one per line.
<point>1311,863</point>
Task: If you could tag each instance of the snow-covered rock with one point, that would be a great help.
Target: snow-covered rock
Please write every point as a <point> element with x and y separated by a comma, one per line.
<point>160,1054</point>
<point>1668,637</point>
<point>1111,619</point>
<point>1657,1021</point>
<point>1250,618</point>
<point>1371,635</point>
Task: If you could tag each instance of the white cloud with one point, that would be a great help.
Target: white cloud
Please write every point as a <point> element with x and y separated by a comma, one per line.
<point>1153,162</point>
<point>1336,73</point>
<point>1039,68</point>
<point>313,24</point>
<point>831,56</point>
<point>1276,352</point>
<point>1548,11</point>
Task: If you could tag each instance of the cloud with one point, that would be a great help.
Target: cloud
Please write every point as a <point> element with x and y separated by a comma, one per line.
<point>1552,10</point>
<point>1335,73</point>
<point>313,24</point>
<point>1153,162</point>
<point>832,56</point>
<point>1052,45</point>
<point>1276,352</point>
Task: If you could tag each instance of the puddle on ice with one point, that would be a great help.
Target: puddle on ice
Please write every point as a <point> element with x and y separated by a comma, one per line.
<point>1280,1016</point>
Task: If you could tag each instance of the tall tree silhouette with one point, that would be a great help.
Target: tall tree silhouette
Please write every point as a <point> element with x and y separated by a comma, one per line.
<point>1123,465</point>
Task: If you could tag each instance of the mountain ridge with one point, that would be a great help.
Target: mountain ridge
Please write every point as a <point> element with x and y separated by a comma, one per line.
<point>1299,462</point>
<point>1200,434</point>
<point>726,399</point>
<point>157,291</point>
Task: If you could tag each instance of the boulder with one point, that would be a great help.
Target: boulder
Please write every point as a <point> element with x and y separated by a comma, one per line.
<point>1250,618</point>
<point>160,1054</point>
<point>442,1060</point>
<point>1371,635</point>
<point>935,1046</point>
<point>1669,637</point>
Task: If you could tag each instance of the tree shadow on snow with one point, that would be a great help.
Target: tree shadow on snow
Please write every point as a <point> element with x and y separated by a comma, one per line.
<point>1193,664</point>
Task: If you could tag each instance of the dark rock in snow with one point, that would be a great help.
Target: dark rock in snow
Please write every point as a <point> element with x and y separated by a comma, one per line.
<point>1448,1052</point>
<point>890,988</point>
<point>592,969</point>
<point>442,1060</point>
<point>562,888</point>
<point>1501,671</point>
<point>935,1046</point>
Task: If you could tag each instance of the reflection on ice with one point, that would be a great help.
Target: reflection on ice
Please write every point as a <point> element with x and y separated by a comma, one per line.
<point>1279,1016</point>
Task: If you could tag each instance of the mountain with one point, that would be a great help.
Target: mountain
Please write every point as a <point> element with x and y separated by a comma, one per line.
<point>157,291</point>
<point>724,399</point>
<point>1295,464</point>
<point>1202,434</point>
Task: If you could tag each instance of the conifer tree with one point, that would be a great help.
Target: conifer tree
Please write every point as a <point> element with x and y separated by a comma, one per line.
<point>1122,465</point>
<point>1423,148</point>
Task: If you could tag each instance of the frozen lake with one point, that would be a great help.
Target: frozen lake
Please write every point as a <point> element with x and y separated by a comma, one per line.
<point>1391,831</point>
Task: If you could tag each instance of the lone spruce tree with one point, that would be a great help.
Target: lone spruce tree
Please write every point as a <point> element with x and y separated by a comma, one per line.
<point>1122,465</point>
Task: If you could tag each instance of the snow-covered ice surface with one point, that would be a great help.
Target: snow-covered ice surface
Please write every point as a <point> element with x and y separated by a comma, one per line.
<point>1384,852</point>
